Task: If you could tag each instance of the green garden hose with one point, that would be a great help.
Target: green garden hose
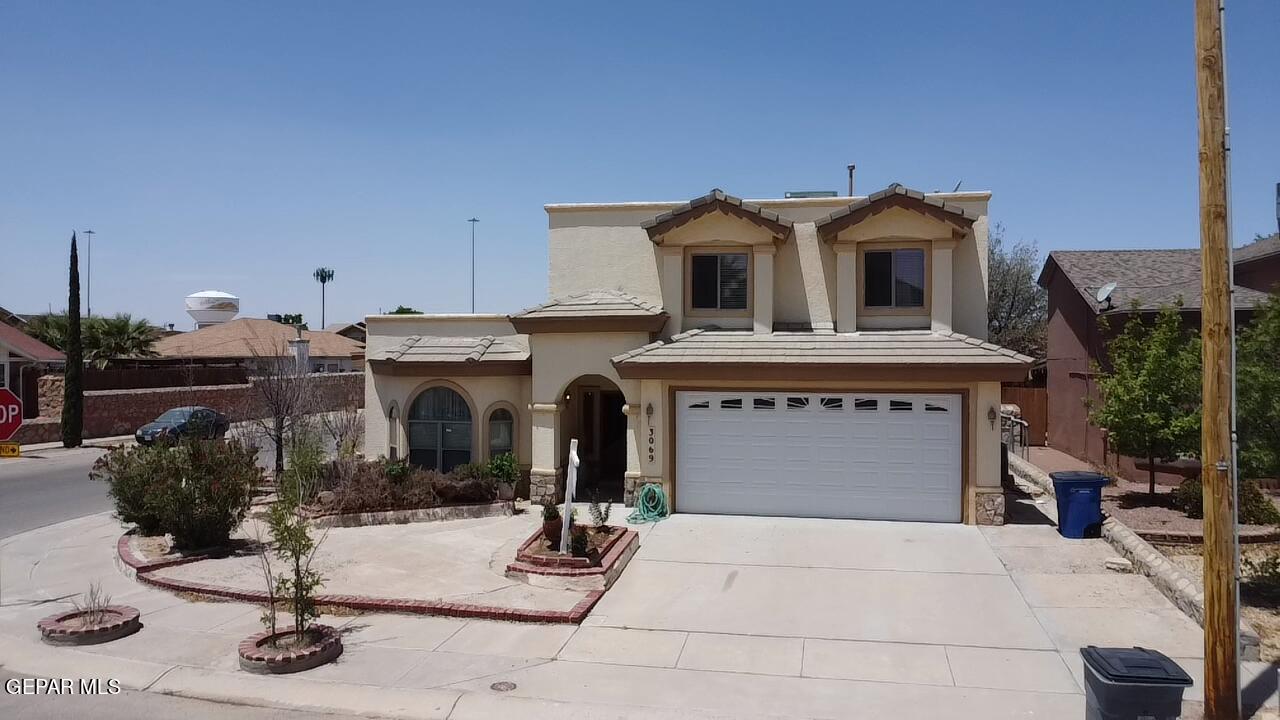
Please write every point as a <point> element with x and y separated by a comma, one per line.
<point>651,505</point>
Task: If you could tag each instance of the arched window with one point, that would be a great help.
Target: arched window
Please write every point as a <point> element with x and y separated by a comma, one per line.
<point>439,430</point>
<point>393,433</point>
<point>502,432</point>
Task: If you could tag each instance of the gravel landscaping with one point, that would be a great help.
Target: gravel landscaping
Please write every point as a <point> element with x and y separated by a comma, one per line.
<point>1259,604</point>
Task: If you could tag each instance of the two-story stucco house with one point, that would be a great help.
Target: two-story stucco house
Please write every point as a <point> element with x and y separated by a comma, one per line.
<point>816,357</point>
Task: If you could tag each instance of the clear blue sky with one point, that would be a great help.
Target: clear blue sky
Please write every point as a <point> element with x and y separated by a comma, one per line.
<point>237,146</point>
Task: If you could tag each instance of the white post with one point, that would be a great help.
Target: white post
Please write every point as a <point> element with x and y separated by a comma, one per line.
<point>570,485</point>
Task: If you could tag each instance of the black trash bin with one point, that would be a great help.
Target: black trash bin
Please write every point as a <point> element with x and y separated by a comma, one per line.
<point>1131,683</point>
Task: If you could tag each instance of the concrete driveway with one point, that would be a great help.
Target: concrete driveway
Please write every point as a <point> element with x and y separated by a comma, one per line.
<point>950,606</point>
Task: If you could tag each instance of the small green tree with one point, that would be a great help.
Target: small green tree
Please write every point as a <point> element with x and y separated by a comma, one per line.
<point>404,310</point>
<point>73,381</point>
<point>1258,392</point>
<point>291,532</point>
<point>1149,397</point>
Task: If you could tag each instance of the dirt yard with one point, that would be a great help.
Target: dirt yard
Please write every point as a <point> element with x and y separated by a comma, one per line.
<point>1259,594</point>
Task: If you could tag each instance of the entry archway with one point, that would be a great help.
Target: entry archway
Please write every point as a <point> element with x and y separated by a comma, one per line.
<point>592,413</point>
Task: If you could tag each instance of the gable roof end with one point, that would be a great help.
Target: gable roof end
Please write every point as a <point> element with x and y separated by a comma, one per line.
<point>895,195</point>
<point>716,201</point>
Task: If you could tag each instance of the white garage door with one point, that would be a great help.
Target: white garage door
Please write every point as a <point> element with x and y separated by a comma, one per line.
<point>843,455</point>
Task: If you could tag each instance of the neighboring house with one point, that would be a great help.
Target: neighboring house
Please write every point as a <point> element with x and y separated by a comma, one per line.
<point>12,318</point>
<point>1077,344</point>
<point>244,341</point>
<point>21,356</point>
<point>811,357</point>
<point>351,331</point>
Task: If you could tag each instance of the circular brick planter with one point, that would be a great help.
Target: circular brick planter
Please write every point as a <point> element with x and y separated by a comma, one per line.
<point>66,628</point>
<point>257,655</point>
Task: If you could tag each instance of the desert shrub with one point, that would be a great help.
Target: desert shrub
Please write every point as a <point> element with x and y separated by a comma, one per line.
<point>453,489</point>
<point>578,541</point>
<point>300,481</point>
<point>599,513</point>
<point>1255,507</point>
<point>372,486</point>
<point>209,494</point>
<point>198,491</point>
<point>134,476</point>
<point>1261,582</point>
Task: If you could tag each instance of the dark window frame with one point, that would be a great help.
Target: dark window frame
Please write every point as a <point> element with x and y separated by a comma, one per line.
<point>893,280</point>
<point>702,304</point>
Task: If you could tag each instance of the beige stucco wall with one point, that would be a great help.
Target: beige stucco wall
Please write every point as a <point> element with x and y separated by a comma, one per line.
<point>483,394</point>
<point>603,246</point>
<point>982,461</point>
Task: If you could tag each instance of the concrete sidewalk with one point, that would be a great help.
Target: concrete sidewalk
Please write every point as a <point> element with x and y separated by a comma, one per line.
<point>659,646</point>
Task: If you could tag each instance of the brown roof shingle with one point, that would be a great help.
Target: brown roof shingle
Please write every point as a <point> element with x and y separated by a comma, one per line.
<point>1149,278</point>
<point>899,349</point>
<point>22,344</point>
<point>247,337</point>
<point>717,200</point>
<point>894,195</point>
<point>454,349</point>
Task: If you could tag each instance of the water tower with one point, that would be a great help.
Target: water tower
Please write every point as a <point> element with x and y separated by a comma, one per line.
<point>212,307</point>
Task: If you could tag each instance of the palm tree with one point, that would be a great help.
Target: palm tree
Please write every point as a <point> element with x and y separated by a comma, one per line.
<point>119,336</point>
<point>50,329</point>
<point>324,276</point>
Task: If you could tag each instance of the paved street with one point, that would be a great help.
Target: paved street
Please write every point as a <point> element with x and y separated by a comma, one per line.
<point>48,486</point>
<point>134,704</point>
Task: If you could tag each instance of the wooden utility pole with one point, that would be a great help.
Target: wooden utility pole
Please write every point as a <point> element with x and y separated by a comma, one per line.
<point>1221,681</point>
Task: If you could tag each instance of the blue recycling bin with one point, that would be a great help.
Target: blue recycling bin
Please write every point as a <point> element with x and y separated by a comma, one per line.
<point>1079,496</point>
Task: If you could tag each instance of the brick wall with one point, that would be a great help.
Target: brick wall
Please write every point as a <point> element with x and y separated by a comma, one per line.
<point>121,412</point>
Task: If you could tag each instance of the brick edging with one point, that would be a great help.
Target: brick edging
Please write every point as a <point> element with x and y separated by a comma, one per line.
<point>55,628</point>
<point>1186,594</point>
<point>144,573</point>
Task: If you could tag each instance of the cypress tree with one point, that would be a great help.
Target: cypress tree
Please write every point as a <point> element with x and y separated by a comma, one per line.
<point>73,387</point>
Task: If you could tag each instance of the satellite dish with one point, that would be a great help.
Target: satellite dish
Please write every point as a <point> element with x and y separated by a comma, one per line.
<point>1104,293</point>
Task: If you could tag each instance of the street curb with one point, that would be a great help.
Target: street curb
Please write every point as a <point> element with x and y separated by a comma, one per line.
<point>1186,594</point>
<point>143,570</point>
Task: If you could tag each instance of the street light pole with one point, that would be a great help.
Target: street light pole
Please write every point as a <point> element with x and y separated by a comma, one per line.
<point>88,289</point>
<point>473,222</point>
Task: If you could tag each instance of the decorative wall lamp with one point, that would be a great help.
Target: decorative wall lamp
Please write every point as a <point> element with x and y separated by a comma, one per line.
<point>992,417</point>
<point>648,412</point>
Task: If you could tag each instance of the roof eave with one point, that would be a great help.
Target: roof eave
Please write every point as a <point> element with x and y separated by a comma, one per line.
<point>590,323</point>
<point>452,368</point>
<point>940,372</point>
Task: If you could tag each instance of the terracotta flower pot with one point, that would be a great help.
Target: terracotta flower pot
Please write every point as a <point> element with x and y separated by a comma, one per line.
<point>551,531</point>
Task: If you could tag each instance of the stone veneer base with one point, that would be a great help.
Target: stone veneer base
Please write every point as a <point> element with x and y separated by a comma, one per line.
<point>1182,591</point>
<point>403,517</point>
<point>144,570</point>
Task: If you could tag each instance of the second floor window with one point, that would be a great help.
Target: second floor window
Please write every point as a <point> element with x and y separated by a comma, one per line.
<point>894,278</point>
<point>719,281</point>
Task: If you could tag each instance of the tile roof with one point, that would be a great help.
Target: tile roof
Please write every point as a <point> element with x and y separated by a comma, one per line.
<point>896,191</point>
<point>901,347</point>
<point>592,303</point>
<point>451,349</point>
<point>20,343</point>
<point>717,198</point>
<point>1260,248</point>
<point>247,337</point>
<point>1151,278</point>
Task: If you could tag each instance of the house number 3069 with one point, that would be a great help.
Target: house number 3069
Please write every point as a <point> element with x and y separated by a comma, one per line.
<point>653,445</point>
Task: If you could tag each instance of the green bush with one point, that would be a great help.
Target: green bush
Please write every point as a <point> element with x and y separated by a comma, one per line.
<point>504,468</point>
<point>1255,507</point>
<point>578,542</point>
<point>198,491</point>
<point>135,476</point>
<point>301,479</point>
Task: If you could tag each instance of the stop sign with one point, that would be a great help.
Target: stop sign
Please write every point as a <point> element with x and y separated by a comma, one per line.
<point>10,414</point>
